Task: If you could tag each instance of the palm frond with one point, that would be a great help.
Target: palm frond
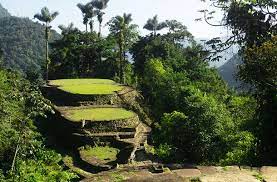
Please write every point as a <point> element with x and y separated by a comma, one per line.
<point>100,16</point>
<point>54,15</point>
<point>100,4</point>
<point>82,7</point>
<point>149,25</point>
<point>45,15</point>
<point>161,26</point>
<point>127,18</point>
<point>153,24</point>
<point>39,17</point>
<point>45,12</point>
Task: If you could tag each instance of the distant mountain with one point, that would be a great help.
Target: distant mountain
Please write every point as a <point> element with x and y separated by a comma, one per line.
<point>225,55</point>
<point>227,66</point>
<point>22,42</point>
<point>4,12</point>
<point>229,70</point>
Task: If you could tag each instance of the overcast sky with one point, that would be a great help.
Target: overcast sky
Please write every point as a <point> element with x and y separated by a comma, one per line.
<point>184,11</point>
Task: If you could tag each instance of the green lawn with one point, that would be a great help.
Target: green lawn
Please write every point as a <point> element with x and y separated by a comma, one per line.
<point>98,114</point>
<point>87,86</point>
<point>66,82</point>
<point>92,89</point>
<point>103,153</point>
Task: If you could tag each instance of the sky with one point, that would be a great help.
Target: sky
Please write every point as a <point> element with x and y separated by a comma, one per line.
<point>185,11</point>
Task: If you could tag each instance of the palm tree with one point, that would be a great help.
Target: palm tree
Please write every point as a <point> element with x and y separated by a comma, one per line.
<point>178,31</point>
<point>91,14</point>
<point>153,25</point>
<point>100,5</point>
<point>86,12</point>
<point>46,17</point>
<point>100,20</point>
<point>125,33</point>
<point>91,25</point>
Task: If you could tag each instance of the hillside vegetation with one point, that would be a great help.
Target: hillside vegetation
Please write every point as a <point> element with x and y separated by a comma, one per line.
<point>23,155</point>
<point>22,43</point>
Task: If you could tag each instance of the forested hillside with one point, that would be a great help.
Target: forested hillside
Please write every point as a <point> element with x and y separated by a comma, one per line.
<point>229,70</point>
<point>3,12</point>
<point>22,43</point>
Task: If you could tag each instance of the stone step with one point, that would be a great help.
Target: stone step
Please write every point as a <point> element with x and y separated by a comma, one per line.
<point>127,129</point>
<point>122,135</point>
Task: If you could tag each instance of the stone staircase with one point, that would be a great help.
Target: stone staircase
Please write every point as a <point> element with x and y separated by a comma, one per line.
<point>131,134</point>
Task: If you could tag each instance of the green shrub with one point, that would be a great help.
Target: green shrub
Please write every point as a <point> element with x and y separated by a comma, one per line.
<point>164,151</point>
<point>20,105</point>
<point>241,149</point>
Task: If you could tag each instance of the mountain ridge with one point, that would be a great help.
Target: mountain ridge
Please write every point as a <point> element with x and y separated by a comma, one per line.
<point>229,70</point>
<point>22,42</point>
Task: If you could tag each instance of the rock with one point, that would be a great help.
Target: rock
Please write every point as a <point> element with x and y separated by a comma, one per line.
<point>184,173</point>
<point>205,170</point>
<point>269,173</point>
<point>230,174</point>
<point>164,177</point>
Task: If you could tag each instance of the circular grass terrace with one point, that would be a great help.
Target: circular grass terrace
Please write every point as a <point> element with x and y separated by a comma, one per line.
<point>87,86</point>
<point>98,114</point>
<point>99,155</point>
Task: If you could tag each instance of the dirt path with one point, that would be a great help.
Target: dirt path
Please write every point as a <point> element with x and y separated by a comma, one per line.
<point>197,174</point>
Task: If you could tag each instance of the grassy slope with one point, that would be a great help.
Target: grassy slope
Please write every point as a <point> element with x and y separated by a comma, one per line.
<point>66,82</point>
<point>98,114</point>
<point>92,89</point>
<point>102,153</point>
<point>87,86</point>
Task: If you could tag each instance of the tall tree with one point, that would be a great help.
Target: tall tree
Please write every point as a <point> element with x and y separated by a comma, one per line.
<point>100,5</point>
<point>92,12</point>
<point>154,25</point>
<point>46,17</point>
<point>100,20</point>
<point>125,34</point>
<point>86,10</point>
<point>91,25</point>
<point>254,28</point>
<point>178,31</point>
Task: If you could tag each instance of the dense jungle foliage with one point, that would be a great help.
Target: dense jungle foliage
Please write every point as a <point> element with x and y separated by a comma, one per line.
<point>23,154</point>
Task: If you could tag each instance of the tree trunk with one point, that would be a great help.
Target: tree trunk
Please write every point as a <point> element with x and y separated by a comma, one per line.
<point>120,63</point>
<point>124,59</point>
<point>121,57</point>
<point>15,154</point>
<point>46,49</point>
<point>91,26</point>
<point>123,66</point>
<point>100,29</point>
